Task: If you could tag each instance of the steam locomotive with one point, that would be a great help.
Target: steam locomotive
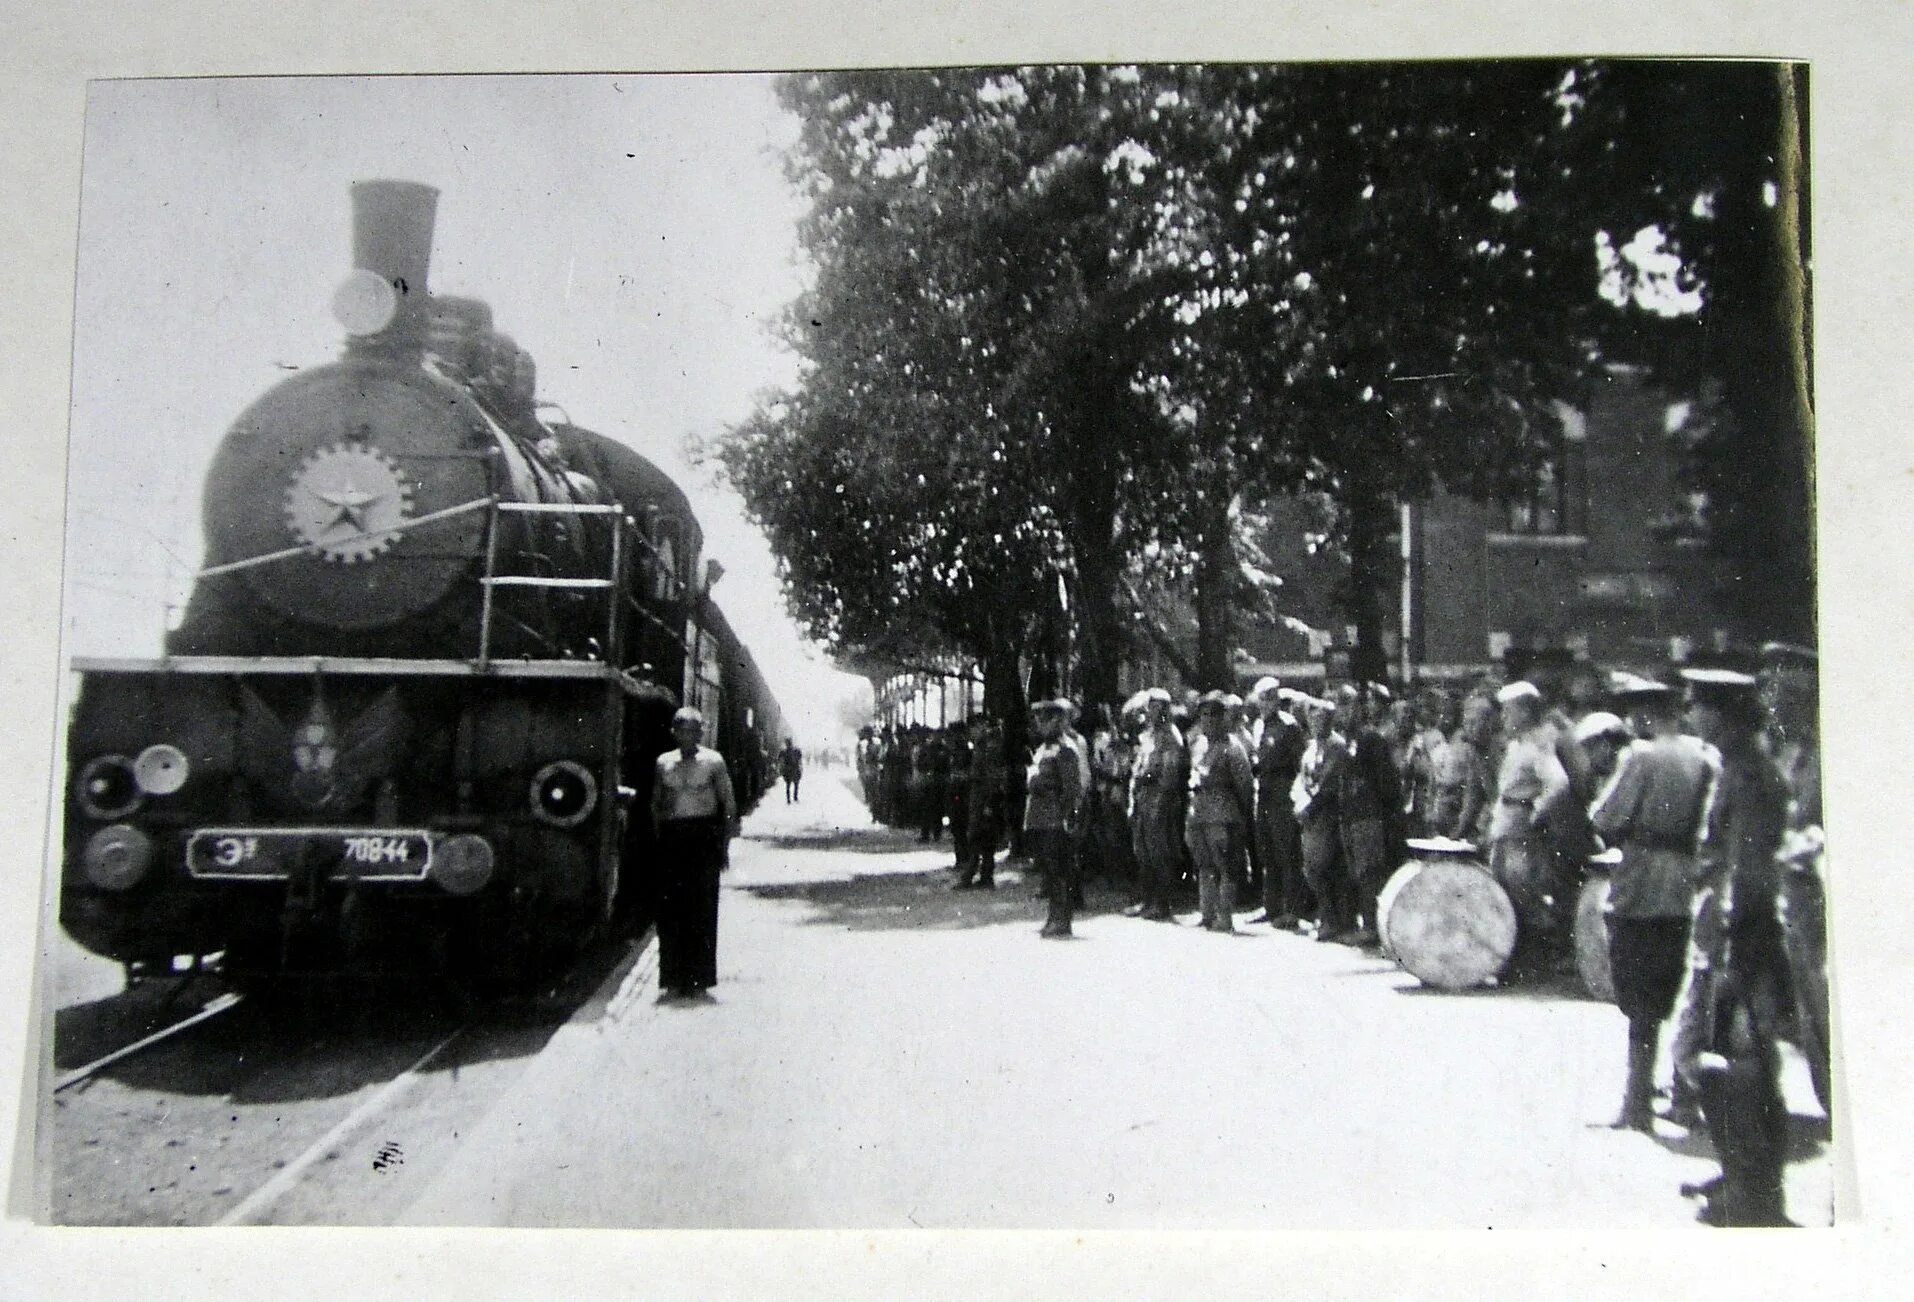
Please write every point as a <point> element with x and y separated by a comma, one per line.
<point>411,712</point>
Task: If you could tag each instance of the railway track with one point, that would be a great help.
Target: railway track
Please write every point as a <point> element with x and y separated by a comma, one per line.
<point>67,1080</point>
<point>316,1113</point>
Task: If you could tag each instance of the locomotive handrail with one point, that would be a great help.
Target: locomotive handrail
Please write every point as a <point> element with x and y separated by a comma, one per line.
<point>287,553</point>
<point>533,581</point>
<point>562,508</point>
<point>340,665</point>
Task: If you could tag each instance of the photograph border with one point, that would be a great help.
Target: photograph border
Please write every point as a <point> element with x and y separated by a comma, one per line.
<point>1859,126</point>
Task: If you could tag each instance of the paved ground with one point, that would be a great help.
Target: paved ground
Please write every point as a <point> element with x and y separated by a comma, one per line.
<point>882,1053</point>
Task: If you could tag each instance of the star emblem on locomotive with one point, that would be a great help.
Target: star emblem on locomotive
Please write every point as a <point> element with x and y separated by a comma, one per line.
<point>347,500</point>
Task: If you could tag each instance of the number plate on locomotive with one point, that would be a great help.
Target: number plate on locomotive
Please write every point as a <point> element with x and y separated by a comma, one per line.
<point>341,853</point>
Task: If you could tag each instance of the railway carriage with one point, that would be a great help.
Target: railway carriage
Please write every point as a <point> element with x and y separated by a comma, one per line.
<point>411,710</point>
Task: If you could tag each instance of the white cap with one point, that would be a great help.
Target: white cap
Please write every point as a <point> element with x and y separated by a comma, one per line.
<point>1519,690</point>
<point>1600,724</point>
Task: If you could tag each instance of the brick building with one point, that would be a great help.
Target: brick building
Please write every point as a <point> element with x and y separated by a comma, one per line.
<point>1601,562</point>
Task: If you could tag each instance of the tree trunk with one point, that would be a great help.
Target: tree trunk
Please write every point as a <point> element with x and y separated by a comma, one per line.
<point>1373,576</point>
<point>1215,597</point>
<point>1091,520</point>
<point>1756,334</point>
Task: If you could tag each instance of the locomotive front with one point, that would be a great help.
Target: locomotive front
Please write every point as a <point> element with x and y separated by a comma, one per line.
<point>345,511</point>
<point>397,715</point>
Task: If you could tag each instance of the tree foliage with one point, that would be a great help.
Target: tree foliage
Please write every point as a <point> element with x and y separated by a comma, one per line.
<point>1069,323</point>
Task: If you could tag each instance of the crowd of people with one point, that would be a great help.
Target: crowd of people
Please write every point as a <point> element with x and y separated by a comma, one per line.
<point>1702,789</point>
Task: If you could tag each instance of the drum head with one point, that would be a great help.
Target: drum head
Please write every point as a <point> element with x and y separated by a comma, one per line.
<point>1591,939</point>
<point>1449,923</point>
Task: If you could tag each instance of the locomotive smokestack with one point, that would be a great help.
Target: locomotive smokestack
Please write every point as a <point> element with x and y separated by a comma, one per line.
<point>383,304</point>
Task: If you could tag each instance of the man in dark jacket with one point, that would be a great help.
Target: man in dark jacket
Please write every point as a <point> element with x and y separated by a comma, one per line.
<point>1732,1001</point>
<point>1278,756</point>
<point>1369,803</point>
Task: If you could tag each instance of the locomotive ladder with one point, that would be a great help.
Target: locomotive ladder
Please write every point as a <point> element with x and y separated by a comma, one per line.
<point>493,580</point>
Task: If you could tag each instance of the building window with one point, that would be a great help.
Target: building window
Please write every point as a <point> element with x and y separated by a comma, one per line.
<point>1556,503</point>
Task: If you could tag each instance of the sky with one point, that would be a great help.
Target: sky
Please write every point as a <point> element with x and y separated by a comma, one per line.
<point>634,233</point>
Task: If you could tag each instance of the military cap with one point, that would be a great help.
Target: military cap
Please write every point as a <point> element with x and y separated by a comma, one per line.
<point>689,714</point>
<point>1600,724</point>
<point>1720,686</point>
<point>1623,685</point>
<point>1775,655</point>
<point>1232,700</point>
<point>1265,687</point>
<point>1519,690</point>
<point>1050,707</point>
<point>1212,700</point>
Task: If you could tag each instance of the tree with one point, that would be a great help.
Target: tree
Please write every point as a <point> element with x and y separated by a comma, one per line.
<point>1703,229</point>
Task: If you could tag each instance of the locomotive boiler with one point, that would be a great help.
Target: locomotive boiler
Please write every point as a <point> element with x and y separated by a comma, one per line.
<point>411,710</point>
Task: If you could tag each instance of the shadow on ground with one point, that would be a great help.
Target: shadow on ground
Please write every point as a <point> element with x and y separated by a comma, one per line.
<point>871,839</point>
<point>922,901</point>
<point>316,1038</point>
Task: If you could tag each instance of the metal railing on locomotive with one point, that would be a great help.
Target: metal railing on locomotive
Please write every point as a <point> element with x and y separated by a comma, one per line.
<point>613,584</point>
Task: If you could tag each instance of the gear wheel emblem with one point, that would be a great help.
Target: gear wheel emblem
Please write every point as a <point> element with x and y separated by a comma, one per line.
<point>347,502</point>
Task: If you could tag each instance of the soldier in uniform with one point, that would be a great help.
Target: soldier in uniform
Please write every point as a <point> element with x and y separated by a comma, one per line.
<point>1524,857</point>
<point>1313,797</point>
<point>1791,692</point>
<point>982,783</point>
<point>1276,758</point>
<point>1369,805</point>
<point>1736,988</point>
<point>1652,811</point>
<point>1222,800</point>
<point>1157,782</point>
<point>1053,801</point>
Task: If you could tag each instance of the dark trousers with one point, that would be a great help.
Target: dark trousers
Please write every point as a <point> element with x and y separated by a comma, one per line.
<point>1323,868</point>
<point>1157,843</point>
<point>1748,1122</point>
<point>1285,892</point>
<point>1366,845</point>
<point>690,852</point>
<point>1052,851</point>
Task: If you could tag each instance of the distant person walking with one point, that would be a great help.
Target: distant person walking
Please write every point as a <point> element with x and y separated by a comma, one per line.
<point>695,814</point>
<point>791,767</point>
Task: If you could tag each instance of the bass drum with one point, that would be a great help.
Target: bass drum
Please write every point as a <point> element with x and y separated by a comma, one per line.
<point>1591,930</point>
<point>1447,922</point>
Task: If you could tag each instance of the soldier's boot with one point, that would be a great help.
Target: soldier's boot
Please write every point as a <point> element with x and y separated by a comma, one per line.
<point>1638,1093</point>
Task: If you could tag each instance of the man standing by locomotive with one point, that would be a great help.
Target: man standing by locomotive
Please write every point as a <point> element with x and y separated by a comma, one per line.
<point>1652,811</point>
<point>1732,1002</point>
<point>695,813</point>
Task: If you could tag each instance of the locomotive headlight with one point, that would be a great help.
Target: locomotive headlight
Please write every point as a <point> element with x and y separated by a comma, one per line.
<point>564,793</point>
<point>462,864</point>
<point>364,303</point>
<point>117,858</point>
<point>107,787</point>
<point>161,770</point>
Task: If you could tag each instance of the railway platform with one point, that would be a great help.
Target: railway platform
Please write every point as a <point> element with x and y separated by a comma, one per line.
<point>882,1052</point>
